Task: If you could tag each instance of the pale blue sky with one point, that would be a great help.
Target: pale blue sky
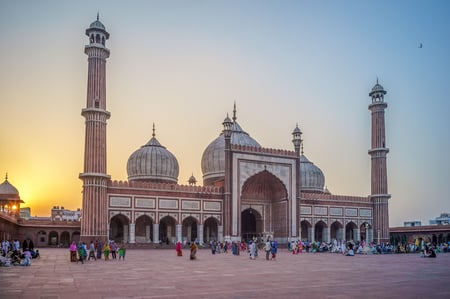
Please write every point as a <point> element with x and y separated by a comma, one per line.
<point>182,64</point>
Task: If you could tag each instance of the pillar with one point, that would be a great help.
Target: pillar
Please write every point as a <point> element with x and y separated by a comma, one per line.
<point>156,233</point>
<point>356,235</point>
<point>179,229</point>
<point>326,234</point>
<point>200,233</point>
<point>125,234</point>
<point>311,236</point>
<point>132,233</point>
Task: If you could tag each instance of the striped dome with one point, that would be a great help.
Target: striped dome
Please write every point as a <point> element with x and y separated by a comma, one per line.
<point>311,177</point>
<point>153,163</point>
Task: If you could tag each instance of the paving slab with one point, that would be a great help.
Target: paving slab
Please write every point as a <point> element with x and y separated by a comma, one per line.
<point>159,273</point>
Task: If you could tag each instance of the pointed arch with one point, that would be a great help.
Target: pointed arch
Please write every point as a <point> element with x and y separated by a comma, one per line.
<point>267,192</point>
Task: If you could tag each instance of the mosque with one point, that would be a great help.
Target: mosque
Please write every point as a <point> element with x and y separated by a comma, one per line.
<point>248,190</point>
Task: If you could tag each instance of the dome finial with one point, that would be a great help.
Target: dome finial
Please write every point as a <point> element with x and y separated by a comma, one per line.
<point>98,14</point>
<point>6,176</point>
<point>234,112</point>
<point>153,134</point>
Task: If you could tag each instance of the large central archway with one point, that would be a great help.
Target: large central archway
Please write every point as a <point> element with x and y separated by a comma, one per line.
<point>264,207</point>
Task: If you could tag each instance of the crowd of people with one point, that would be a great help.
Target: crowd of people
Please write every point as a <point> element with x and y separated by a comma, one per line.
<point>81,253</point>
<point>12,253</point>
<point>350,248</point>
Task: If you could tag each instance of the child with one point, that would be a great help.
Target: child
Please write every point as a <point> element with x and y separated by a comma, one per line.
<point>122,252</point>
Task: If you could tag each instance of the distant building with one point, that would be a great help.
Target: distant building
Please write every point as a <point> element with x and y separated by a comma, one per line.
<point>25,213</point>
<point>412,223</point>
<point>443,219</point>
<point>61,214</point>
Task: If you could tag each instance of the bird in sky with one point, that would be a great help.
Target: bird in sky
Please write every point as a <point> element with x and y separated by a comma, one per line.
<point>420,46</point>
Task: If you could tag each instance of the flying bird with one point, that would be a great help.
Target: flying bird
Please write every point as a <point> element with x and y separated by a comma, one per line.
<point>420,46</point>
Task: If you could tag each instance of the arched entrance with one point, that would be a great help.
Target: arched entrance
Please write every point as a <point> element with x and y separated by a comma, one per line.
<point>364,232</point>
<point>65,239</point>
<point>167,232</point>
<point>189,229</point>
<point>305,226</point>
<point>53,239</point>
<point>350,231</point>
<point>251,224</point>
<point>336,231</point>
<point>319,231</point>
<point>264,207</point>
<point>210,230</point>
<point>144,229</point>
<point>119,228</point>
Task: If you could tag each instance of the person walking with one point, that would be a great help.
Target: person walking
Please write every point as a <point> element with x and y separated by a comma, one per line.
<point>92,251</point>
<point>267,248</point>
<point>252,250</point>
<point>178,249</point>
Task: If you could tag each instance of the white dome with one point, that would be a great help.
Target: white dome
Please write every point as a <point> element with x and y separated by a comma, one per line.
<point>153,162</point>
<point>213,159</point>
<point>311,177</point>
<point>8,190</point>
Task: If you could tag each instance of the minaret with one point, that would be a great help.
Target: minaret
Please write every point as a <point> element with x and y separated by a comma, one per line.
<point>298,146</point>
<point>94,222</point>
<point>379,189</point>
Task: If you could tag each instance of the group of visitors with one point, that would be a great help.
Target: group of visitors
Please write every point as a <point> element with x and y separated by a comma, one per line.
<point>12,254</point>
<point>192,246</point>
<point>80,252</point>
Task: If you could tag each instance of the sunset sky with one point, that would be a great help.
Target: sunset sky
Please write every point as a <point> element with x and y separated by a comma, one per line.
<point>183,64</point>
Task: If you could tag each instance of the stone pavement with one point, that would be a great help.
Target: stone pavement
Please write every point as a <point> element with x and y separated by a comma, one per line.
<point>153,273</point>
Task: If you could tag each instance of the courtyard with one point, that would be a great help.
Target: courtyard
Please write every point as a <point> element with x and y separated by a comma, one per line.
<point>159,273</point>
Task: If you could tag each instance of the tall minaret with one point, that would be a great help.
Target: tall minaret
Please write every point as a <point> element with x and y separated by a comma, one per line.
<point>94,222</point>
<point>379,193</point>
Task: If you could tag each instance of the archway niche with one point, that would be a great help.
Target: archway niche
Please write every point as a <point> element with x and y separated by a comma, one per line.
<point>189,231</point>
<point>305,226</point>
<point>53,239</point>
<point>319,231</point>
<point>118,228</point>
<point>350,231</point>
<point>65,239</point>
<point>264,207</point>
<point>144,229</point>
<point>336,231</point>
<point>364,231</point>
<point>167,230</point>
<point>210,230</point>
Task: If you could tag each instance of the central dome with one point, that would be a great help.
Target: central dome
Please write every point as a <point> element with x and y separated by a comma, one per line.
<point>153,163</point>
<point>213,159</point>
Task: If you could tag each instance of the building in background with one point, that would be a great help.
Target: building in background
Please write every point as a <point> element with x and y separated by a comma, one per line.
<point>412,223</point>
<point>443,219</point>
<point>61,214</point>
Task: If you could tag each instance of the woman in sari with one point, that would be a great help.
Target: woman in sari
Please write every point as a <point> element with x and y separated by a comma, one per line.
<point>193,251</point>
<point>178,249</point>
<point>106,250</point>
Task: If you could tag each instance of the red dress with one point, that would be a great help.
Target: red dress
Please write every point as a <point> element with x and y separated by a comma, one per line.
<point>178,249</point>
